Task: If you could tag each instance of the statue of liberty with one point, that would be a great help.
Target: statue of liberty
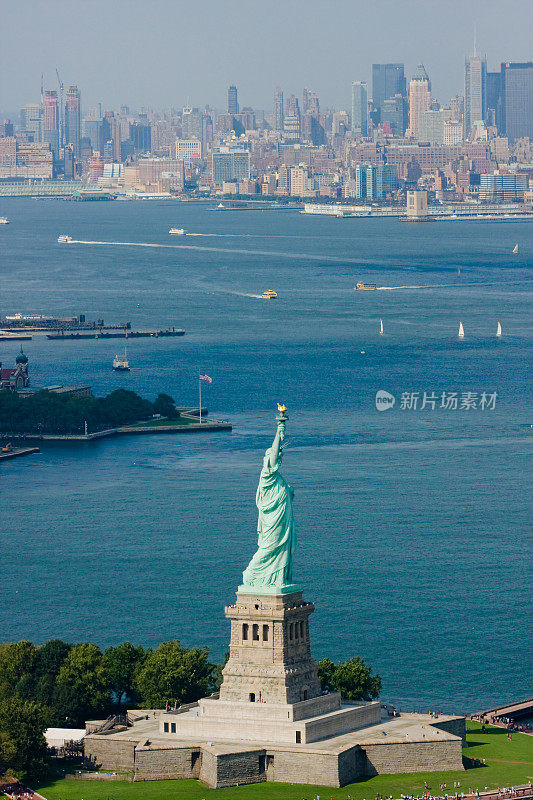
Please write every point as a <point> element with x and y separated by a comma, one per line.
<point>270,570</point>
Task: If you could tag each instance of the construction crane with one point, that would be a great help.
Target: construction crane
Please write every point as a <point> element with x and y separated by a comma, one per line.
<point>61,118</point>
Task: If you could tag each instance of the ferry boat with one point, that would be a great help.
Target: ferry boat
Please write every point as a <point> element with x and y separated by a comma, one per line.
<point>178,231</point>
<point>270,294</point>
<point>366,287</point>
<point>121,363</point>
<point>64,239</point>
<point>4,221</point>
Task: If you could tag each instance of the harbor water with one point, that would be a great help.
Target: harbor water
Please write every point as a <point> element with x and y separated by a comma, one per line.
<point>413,523</point>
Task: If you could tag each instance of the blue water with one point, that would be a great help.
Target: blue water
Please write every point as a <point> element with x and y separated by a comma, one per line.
<point>414,525</point>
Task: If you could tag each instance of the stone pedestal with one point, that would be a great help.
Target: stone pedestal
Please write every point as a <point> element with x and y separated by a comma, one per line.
<point>270,655</point>
<point>270,690</point>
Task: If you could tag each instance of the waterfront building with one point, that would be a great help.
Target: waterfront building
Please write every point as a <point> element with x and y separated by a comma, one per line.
<point>359,108</point>
<point>157,170</point>
<point>73,120</point>
<point>50,130</point>
<point>231,165</point>
<point>516,103</point>
<point>475,109</point>
<point>506,187</point>
<point>387,81</point>
<point>278,109</point>
<point>233,104</point>
<point>31,120</point>
<point>302,182</point>
<point>375,181</point>
<point>394,114</point>
<point>417,204</point>
<point>419,98</point>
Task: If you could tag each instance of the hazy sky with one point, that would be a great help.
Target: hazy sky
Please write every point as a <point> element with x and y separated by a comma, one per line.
<point>160,53</point>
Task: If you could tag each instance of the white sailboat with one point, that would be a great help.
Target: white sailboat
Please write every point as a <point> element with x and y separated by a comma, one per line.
<point>499,330</point>
<point>515,248</point>
<point>381,327</point>
<point>461,333</point>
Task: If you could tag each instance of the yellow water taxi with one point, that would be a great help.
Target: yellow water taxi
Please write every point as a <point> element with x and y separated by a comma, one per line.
<point>366,287</point>
<point>270,294</point>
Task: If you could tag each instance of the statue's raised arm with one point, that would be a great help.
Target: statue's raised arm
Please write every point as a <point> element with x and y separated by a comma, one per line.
<point>275,450</point>
<point>270,570</point>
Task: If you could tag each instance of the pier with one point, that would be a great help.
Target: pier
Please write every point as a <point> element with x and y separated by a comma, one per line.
<point>17,452</point>
<point>122,334</point>
<point>513,711</point>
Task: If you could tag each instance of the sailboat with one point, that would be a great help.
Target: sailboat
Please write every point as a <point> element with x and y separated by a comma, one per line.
<point>515,248</point>
<point>461,333</point>
<point>381,327</point>
<point>499,330</point>
<point>121,363</point>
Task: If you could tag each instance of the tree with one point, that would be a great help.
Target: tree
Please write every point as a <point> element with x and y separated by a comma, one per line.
<point>22,744</point>
<point>326,668</point>
<point>353,679</point>
<point>49,659</point>
<point>121,664</point>
<point>17,661</point>
<point>166,406</point>
<point>173,672</point>
<point>82,685</point>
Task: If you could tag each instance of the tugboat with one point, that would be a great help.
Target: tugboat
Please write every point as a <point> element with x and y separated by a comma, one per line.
<point>366,287</point>
<point>270,294</point>
<point>178,231</point>
<point>64,239</point>
<point>121,363</point>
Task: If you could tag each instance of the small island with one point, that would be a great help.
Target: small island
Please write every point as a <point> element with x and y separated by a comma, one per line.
<point>48,414</point>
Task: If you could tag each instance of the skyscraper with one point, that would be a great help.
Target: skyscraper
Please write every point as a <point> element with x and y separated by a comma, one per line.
<point>359,108</point>
<point>387,80</point>
<point>73,120</point>
<point>291,121</point>
<point>233,105</point>
<point>394,112</point>
<point>493,98</point>
<point>419,98</point>
<point>475,91</point>
<point>516,101</point>
<point>50,129</point>
<point>278,109</point>
<point>31,120</point>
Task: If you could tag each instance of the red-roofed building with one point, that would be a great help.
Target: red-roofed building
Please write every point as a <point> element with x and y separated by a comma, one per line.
<point>16,377</point>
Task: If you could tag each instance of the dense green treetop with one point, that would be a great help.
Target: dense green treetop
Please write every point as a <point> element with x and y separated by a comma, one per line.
<point>47,412</point>
<point>173,672</point>
<point>353,679</point>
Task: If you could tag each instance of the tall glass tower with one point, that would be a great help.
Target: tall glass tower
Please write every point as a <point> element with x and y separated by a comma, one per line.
<point>387,81</point>
<point>359,108</point>
<point>516,88</point>
<point>475,91</point>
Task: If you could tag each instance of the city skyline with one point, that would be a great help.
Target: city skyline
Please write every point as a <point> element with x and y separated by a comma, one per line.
<point>152,68</point>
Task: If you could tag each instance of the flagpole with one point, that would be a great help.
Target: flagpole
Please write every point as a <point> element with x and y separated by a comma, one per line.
<point>200,395</point>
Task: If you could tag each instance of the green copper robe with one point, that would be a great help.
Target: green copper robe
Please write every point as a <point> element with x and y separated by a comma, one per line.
<point>272,564</point>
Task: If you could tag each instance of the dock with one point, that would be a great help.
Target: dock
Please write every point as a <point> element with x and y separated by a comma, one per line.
<point>17,452</point>
<point>514,711</point>
<point>8,336</point>
<point>123,334</point>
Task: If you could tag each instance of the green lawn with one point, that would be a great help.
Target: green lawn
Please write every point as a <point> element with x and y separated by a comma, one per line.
<point>508,762</point>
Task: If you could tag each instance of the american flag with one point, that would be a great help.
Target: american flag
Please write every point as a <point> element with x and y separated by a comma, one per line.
<point>205,377</point>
